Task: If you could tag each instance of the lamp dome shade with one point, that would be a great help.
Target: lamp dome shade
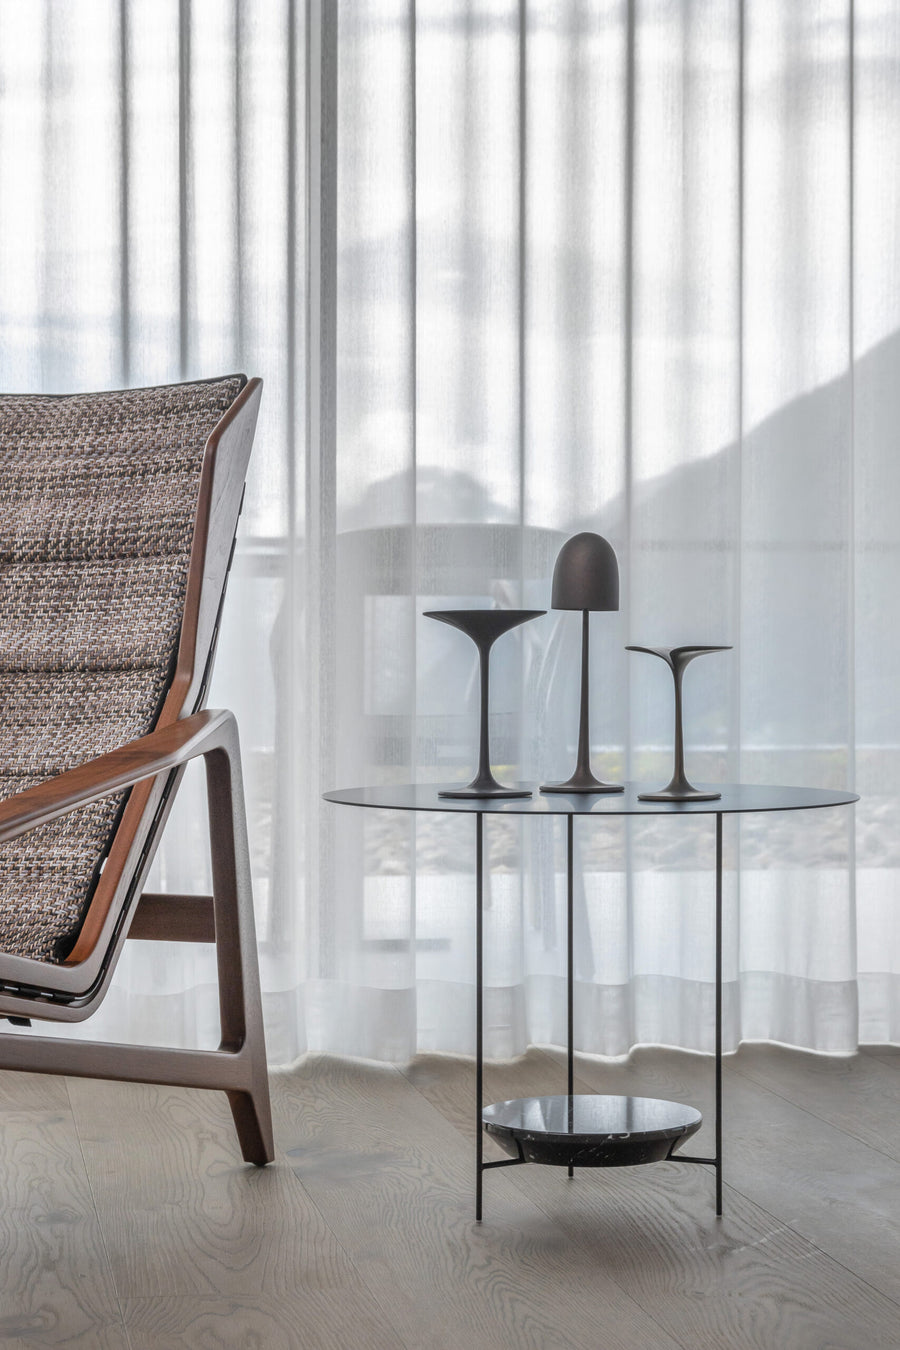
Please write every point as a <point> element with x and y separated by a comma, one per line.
<point>586,575</point>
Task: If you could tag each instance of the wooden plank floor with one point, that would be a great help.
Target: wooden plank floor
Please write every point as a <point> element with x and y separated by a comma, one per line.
<point>128,1220</point>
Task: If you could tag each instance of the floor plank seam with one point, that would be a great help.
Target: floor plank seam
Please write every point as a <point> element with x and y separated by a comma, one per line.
<point>647,1311</point>
<point>891,1060</point>
<point>749,1078</point>
<point>284,1161</point>
<point>827,1256</point>
<point>100,1229</point>
<point>779,1225</point>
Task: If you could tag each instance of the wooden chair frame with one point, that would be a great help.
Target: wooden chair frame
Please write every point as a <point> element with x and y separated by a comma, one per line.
<point>151,768</point>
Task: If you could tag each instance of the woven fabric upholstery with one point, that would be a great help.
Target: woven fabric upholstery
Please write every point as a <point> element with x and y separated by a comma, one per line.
<point>98,494</point>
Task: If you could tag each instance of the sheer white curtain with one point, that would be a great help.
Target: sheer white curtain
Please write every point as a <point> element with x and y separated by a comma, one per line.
<point>509,270</point>
<point>152,167</point>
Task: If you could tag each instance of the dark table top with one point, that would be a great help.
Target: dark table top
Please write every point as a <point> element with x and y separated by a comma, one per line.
<point>736,798</point>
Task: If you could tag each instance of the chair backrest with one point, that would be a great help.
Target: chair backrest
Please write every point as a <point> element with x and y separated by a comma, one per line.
<point>115,540</point>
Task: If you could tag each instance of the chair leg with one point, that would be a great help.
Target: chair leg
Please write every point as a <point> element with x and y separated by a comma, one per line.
<point>240,1001</point>
<point>238,1067</point>
<point>252,1115</point>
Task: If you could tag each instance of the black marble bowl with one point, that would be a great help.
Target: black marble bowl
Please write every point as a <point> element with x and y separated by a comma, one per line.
<point>590,1131</point>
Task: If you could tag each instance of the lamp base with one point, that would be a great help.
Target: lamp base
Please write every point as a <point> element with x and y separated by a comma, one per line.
<point>581,782</point>
<point>679,794</point>
<point>484,785</point>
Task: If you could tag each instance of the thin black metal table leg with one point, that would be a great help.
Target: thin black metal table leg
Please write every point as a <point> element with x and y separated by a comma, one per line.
<point>570,969</point>
<point>719,1013</point>
<point>479,1010</point>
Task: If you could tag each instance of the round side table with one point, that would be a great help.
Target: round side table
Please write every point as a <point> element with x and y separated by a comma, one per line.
<point>592,1131</point>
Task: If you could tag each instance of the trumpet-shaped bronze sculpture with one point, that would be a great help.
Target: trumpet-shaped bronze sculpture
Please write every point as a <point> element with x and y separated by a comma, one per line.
<point>484,626</point>
<point>678,789</point>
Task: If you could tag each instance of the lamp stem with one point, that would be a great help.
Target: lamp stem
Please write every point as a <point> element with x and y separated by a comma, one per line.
<point>584,736</point>
<point>582,779</point>
<point>678,777</point>
<point>484,754</point>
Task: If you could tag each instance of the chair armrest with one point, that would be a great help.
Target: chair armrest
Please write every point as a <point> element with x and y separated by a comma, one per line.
<point>163,749</point>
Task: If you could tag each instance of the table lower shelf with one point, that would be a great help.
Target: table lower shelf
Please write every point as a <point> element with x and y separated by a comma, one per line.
<point>590,1131</point>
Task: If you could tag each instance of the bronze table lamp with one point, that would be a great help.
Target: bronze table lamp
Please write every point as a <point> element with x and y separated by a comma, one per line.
<point>586,577</point>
